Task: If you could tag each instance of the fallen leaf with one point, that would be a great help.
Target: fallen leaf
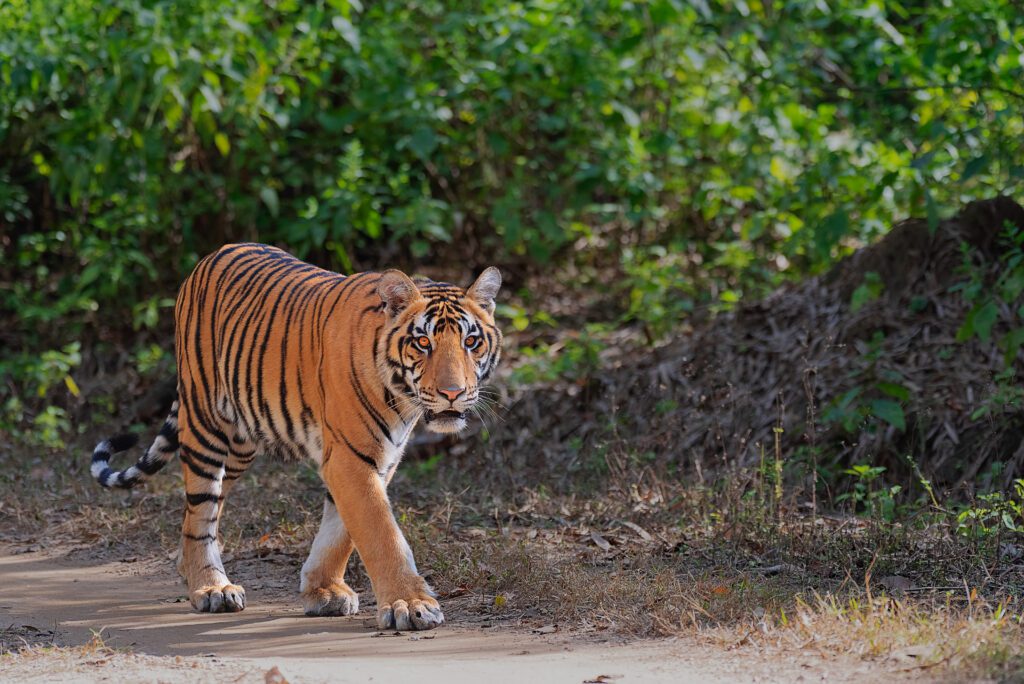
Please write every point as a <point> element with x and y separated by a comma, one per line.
<point>600,541</point>
<point>274,676</point>
<point>644,534</point>
<point>546,629</point>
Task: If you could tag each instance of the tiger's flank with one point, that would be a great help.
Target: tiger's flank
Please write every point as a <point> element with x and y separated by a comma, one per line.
<point>278,356</point>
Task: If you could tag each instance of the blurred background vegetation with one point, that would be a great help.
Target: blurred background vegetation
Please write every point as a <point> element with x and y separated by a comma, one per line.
<point>655,162</point>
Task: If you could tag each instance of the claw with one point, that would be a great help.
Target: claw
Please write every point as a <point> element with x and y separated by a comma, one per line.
<point>402,621</point>
<point>333,600</point>
<point>407,615</point>
<point>229,598</point>
<point>385,617</point>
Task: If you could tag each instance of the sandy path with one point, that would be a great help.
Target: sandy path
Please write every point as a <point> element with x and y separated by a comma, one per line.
<point>138,607</point>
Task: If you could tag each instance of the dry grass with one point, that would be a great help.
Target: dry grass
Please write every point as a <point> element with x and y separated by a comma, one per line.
<point>554,578</point>
<point>643,560</point>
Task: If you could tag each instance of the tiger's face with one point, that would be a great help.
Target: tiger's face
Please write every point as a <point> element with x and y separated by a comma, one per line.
<point>441,344</point>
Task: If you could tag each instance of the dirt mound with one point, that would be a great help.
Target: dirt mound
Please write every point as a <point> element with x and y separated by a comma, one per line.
<point>872,382</point>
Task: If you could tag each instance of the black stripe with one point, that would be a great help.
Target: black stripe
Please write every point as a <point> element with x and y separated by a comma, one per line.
<point>149,467</point>
<point>187,460</point>
<point>363,457</point>
<point>205,497</point>
<point>202,458</point>
<point>169,431</point>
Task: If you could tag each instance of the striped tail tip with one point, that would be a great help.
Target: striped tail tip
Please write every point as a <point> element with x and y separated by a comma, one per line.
<point>101,455</point>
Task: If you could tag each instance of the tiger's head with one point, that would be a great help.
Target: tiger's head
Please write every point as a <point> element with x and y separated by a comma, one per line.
<point>440,344</point>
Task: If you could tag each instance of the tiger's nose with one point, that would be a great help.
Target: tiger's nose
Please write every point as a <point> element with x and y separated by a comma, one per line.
<point>452,393</point>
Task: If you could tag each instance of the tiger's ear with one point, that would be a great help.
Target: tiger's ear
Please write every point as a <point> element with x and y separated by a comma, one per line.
<point>485,289</point>
<point>397,291</point>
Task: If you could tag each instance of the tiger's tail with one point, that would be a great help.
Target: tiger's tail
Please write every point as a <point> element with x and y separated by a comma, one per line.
<point>160,452</point>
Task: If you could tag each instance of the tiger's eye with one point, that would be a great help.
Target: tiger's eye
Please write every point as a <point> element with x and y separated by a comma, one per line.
<point>424,342</point>
<point>471,341</point>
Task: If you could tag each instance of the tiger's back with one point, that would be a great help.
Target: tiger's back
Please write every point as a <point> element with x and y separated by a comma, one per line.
<point>250,327</point>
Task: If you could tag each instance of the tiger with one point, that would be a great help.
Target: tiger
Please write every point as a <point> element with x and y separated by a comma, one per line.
<point>275,355</point>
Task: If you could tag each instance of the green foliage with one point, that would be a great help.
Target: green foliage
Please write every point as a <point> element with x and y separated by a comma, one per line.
<point>868,291</point>
<point>659,296</point>
<point>867,497</point>
<point>574,359</point>
<point>997,310</point>
<point>993,513</point>
<point>877,396</point>
<point>520,319</point>
<point>988,298</point>
<point>709,149</point>
<point>45,378</point>
<point>768,135</point>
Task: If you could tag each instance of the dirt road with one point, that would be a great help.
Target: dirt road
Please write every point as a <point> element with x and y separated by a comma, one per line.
<point>139,608</point>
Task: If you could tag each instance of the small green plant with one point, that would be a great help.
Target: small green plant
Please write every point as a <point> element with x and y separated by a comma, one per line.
<point>659,295</point>
<point>426,468</point>
<point>987,299</point>
<point>867,497</point>
<point>993,513</point>
<point>520,319</point>
<point>868,291</point>
<point>878,397</point>
<point>1007,395</point>
<point>575,358</point>
<point>33,414</point>
<point>150,358</point>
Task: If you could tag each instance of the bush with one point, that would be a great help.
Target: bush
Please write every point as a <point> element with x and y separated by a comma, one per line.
<point>763,139</point>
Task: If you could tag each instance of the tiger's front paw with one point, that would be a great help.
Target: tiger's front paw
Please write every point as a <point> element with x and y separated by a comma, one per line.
<point>337,599</point>
<point>422,612</point>
<point>225,598</point>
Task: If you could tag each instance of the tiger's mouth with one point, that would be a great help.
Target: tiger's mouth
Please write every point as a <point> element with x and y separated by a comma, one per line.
<point>445,421</point>
<point>450,414</point>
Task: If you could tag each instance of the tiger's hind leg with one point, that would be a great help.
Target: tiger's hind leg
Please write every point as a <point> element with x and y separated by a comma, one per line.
<point>241,454</point>
<point>204,456</point>
<point>323,587</point>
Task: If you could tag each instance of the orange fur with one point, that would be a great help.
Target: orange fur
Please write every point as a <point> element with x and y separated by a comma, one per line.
<point>277,355</point>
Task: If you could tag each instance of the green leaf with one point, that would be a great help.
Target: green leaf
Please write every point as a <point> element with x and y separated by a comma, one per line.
<point>423,142</point>
<point>222,143</point>
<point>979,322</point>
<point>1011,344</point>
<point>269,197</point>
<point>893,390</point>
<point>830,231</point>
<point>932,210</point>
<point>347,30</point>
<point>984,318</point>
<point>890,412</point>
<point>212,100</point>
<point>973,167</point>
<point>629,115</point>
<point>868,291</point>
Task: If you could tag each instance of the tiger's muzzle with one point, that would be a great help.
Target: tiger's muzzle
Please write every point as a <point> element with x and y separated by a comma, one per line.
<point>446,421</point>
